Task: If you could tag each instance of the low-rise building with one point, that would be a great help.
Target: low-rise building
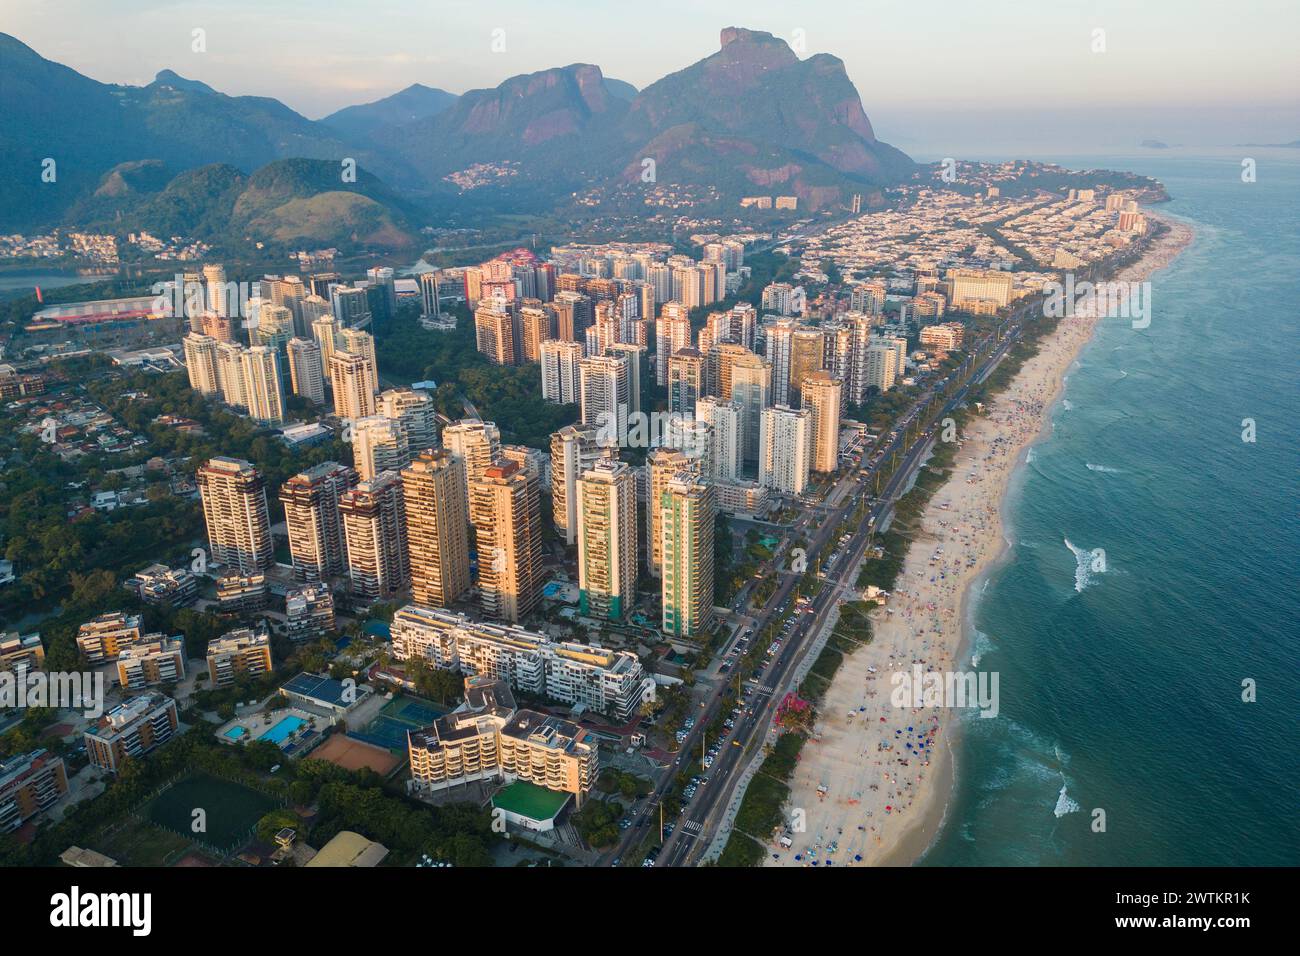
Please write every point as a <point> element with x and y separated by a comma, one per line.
<point>309,612</point>
<point>611,682</point>
<point>102,638</point>
<point>151,659</point>
<point>21,652</point>
<point>241,593</point>
<point>164,586</point>
<point>239,653</point>
<point>29,783</point>
<point>131,729</point>
<point>488,738</point>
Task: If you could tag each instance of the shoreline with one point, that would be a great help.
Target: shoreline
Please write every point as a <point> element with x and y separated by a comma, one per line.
<point>884,805</point>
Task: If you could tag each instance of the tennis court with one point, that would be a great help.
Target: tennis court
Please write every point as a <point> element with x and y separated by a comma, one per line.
<point>399,715</point>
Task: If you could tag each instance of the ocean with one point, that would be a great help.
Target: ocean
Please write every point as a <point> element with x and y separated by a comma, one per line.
<point>1123,737</point>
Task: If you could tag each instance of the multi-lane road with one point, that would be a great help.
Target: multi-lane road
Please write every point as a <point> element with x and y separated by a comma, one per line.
<point>695,829</point>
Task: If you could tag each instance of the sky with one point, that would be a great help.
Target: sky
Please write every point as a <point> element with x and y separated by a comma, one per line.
<point>934,75</point>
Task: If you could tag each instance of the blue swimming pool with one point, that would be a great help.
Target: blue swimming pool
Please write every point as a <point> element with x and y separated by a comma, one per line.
<point>236,733</point>
<point>282,729</point>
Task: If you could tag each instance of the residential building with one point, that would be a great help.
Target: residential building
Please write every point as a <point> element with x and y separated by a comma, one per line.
<point>607,540</point>
<point>130,730</point>
<point>505,509</point>
<point>434,486</point>
<point>237,654</point>
<point>374,525</point>
<point>687,517</point>
<point>611,682</point>
<point>234,510</point>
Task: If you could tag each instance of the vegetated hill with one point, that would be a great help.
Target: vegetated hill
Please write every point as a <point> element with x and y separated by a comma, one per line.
<point>290,201</point>
<point>416,102</point>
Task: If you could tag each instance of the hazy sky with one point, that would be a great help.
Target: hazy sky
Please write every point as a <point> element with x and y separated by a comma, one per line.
<point>929,71</point>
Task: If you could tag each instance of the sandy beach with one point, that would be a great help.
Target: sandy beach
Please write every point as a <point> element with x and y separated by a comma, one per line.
<point>888,771</point>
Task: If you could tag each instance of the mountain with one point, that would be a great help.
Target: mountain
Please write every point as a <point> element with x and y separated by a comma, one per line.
<point>751,118</point>
<point>88,128</point>
<point>620,89</point>
<point>555,128</point>
<point>792,113</point>
<point>416,102</point>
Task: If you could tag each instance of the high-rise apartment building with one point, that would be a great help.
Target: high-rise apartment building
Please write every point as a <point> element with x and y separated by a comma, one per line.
<point>264,393</point>
<point>476,443</point>
<point>437,529</point>
<point>201,364</point>
<point>311,517</point>
<point>306,373</point>
<point>561,380</point>
<point>414,409</point>
<point>725,420</point>
<point>605,392</point>
<point>688,513</point>
<point>374,525</point>
<point>785,436</point>
<point>350,380</point>
<point>379,444</point>
<point>574,449</point>
<point>234,509</point>
<point>607,540</point>
<point>822,397</point>
<point>662,465</point>
<point>506,511</point>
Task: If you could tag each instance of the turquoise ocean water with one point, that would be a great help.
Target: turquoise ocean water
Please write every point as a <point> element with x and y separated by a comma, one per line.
<point>1121,690</point>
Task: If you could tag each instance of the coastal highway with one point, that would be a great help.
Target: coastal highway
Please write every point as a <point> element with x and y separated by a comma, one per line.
<point>693,834</point>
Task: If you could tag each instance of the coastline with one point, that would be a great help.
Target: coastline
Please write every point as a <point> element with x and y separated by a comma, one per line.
<point>889,772</point>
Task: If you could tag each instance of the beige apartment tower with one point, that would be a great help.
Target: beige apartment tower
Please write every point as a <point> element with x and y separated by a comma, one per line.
<point>234,509</point>
<point>505,509</point>
<point>437,527</point>
<point>821,396</point>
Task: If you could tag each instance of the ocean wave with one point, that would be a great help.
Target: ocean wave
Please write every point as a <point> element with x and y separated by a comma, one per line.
<point>1067,404</point>
<point>1104,469</point>
<point>1122,374</point>
<point>1064,804</point>
<point>1029,457</point>
<point>981,644</point>
<point>1087,563</point>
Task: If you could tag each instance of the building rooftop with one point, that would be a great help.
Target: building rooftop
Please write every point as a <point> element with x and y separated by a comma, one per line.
<point>349,849</point>
<point>529,800</point>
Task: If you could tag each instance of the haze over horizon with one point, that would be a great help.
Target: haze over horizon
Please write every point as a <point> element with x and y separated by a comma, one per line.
<point>1011,77</point>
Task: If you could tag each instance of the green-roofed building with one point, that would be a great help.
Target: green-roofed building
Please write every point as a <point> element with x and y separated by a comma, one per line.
<point>530,806</point>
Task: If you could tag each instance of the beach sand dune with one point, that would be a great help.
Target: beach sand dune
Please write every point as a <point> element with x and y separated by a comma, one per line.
<point>888,771</point>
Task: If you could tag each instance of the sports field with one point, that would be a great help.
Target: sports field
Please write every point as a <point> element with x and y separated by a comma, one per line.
<point>352,754</point>
<point>399,715</point>
<point>231,810</point>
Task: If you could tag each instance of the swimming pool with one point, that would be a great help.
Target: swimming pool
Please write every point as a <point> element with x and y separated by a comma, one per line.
<point>282,729</point>
<point>236,733</point>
